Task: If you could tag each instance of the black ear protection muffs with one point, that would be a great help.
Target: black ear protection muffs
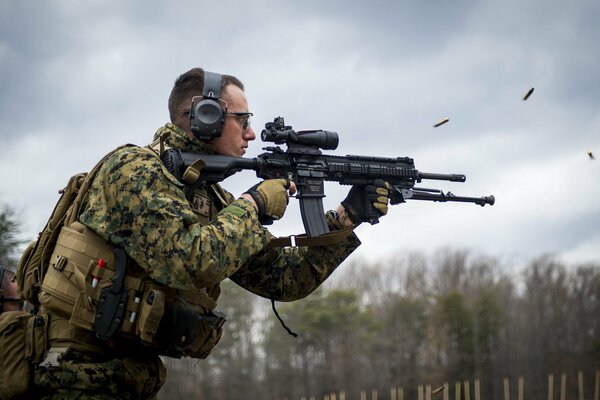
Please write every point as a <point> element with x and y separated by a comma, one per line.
<point>207,115</point>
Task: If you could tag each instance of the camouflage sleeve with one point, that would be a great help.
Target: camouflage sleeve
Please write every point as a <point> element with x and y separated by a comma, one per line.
<point>291,273</point>
<point>136,204</point>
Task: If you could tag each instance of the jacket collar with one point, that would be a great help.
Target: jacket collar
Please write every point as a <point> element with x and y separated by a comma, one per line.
<point>177,138</point>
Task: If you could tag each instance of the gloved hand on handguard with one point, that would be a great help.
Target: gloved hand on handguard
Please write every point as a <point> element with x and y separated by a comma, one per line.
<point>367,203</point>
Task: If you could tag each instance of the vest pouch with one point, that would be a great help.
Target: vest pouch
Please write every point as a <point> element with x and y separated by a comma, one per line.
<point>152,310</point>
<point>58,292</point>
<point>209,334</point>
<point>192,334</point>
<point>15,367</point>
<point>77,250</point>
<point>82,315</point>
<point>36,340</point>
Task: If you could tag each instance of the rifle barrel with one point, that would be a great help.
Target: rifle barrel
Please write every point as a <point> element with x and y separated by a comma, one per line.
<point>443,177</point>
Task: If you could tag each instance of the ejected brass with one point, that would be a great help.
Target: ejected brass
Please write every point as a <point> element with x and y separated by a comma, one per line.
<point>442,122</point>
<point>527,94</point>
<point>591,155</point>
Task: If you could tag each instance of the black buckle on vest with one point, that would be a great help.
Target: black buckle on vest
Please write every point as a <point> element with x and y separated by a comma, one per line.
<point>60,263</point>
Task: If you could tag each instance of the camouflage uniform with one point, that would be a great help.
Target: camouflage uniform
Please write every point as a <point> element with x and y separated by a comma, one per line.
<point>185,244</point>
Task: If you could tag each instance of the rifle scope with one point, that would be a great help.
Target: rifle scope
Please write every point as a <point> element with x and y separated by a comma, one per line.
<point>326,140</point>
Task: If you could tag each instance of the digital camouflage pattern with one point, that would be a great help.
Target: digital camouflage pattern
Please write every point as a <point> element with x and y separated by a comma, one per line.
<point>135,203</point>
<point>96,376</point>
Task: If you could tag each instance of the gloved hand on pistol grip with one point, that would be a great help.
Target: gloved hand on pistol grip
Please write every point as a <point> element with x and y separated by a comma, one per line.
<point>367,203</point>
<point>271,198</point>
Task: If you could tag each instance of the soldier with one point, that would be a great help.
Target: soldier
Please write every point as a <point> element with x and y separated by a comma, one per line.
<point>9,294</point>
<point>177,248</point>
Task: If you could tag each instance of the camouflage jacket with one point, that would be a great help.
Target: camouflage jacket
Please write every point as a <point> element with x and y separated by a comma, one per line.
<point>135,203</point>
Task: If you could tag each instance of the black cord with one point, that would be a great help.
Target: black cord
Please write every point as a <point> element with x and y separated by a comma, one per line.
<point>294,334</point>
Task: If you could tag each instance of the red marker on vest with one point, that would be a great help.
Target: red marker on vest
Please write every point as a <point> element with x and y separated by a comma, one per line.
<point>95,278</point>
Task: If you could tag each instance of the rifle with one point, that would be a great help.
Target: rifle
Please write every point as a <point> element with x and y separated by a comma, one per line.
<point>304,163</point>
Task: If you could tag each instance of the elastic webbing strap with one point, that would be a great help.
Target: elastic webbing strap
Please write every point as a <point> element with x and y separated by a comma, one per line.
<point>303,240</point>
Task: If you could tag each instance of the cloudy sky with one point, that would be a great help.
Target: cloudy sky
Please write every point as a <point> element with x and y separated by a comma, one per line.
<point>78,78</point>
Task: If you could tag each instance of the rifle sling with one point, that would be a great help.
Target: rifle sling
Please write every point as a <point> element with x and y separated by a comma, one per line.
<point>303,240</point>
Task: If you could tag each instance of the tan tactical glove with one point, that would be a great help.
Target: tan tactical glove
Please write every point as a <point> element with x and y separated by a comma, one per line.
<point>271,198</point>
<point>367,203</point>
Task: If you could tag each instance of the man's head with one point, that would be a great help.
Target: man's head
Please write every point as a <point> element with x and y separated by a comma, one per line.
<point>9,293</point>
<point>236,131</point>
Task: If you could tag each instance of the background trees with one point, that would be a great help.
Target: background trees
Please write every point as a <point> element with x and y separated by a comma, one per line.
<point>9,242</point>
<point>407,321</point>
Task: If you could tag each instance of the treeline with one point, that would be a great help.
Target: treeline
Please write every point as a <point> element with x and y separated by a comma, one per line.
<point>405,321</point>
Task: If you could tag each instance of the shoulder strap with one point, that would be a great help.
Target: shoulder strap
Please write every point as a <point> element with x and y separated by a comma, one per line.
<point>326,239</point>
<point>73,213</point>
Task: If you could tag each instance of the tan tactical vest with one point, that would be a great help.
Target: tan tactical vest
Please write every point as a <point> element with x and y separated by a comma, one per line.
<point>79,282</point>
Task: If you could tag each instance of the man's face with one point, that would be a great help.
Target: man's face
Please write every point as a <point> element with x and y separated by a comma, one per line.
<point>234,138</point>
<point>11,294</point>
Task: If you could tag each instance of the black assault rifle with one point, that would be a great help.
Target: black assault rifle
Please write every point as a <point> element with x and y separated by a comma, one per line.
<point>304,164</point>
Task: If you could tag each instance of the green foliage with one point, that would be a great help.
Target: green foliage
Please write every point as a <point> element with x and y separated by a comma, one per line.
<point>456,321</point>
<point>404,324</point>
<point>330,325</point>
<point>9,229</point>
